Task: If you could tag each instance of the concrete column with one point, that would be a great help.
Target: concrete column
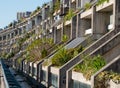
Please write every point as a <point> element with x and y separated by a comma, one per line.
<point>67,30</point>
<point>116,13</point>
<point>58,35</point>
<point>73,27</point>
<point>94,28</point>
<point>77,3</point>
<point>48,76</point>
<point>69,4</point>
<point>54,33</point>
<point>69,83</point>
<point>78,25</point>
<point>37,20</point>
<point>62,30</point>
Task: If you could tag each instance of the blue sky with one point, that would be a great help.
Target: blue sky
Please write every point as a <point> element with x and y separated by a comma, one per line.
<point>9,9</point>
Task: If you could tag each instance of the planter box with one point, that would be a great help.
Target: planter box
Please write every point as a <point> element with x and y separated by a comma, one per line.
<point>59,26</point>
<point>88,31</point>
<point>104,5</point>
<point>114,85</point>
<point>54,70</point>
<point>87,13</point>
<point>79,77</point>
<point>68,22</point>
<point>44,68</point>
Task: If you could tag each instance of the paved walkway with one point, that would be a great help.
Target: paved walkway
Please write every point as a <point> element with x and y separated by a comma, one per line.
<point>21,80</point>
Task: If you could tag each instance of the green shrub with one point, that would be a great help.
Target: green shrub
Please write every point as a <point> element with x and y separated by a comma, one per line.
<point>69,15</point>
<point>61,57</point>
<point>44,53</point>
<point>64,38</point>
<point>79,48</point>
<point>9,55</point>
<point>88,6</point>
<point>103,77</point>
<point>64,55</point>
<point>4,54</point>
<point>102,1</point>
<point>90,65</point>
<point>56,7</point>
<point>19,60</point>
<point>38,49</point>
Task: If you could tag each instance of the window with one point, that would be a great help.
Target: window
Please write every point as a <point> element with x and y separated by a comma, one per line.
<point>54,80</point>
<point>34,71</point>
<point>43,75</point>
<point>77,84</point>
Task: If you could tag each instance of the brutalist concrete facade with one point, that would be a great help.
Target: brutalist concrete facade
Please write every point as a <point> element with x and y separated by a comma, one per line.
<point>99,21</point>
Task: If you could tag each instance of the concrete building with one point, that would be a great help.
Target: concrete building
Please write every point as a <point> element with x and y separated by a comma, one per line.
<point>22,15</point>
<point>89,23</point>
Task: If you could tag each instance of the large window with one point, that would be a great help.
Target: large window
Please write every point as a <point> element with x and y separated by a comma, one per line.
<point>34,71</point>
<point>54,80</point>
<point>43,75</point>
<point>77,84</point>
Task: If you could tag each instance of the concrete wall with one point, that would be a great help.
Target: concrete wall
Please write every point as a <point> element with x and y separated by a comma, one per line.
<point>73,27</point>
<point>79,77</point>
<point>67,31</point>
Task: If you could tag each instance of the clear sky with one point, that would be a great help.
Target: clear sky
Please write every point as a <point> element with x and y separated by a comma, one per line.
<point>9,9</point>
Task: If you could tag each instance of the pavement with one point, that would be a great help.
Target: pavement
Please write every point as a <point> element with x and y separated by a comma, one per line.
<point>21,80</point>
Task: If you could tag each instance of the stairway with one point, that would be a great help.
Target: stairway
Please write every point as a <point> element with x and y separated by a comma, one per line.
<point>109,40</point>
<point>91,48</point>
<point>75,42</point>
<point>110,48</point>
<point>113,65</point>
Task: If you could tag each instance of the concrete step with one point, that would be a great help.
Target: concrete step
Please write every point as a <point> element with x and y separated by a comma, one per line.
<point>91,48</point>
<point>109,49</point>
<point>113,65</point>
<point>74,43</point>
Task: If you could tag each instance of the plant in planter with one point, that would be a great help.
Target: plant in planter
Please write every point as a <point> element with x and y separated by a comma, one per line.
<point>100,2</point>
<point>44,53</point>
<point>64,55</point>
<point>103,79</point>
<point>88,6</point>
<point>35,11</point>
<point>90,65</point>
<point>19,60</point>
<point>9,55</point>
<point>64,38</point>
<point>38,49</point>
<point>69,15</point>
<point>3,54</point>
<point>56,7</point>
<point>61,57</point>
